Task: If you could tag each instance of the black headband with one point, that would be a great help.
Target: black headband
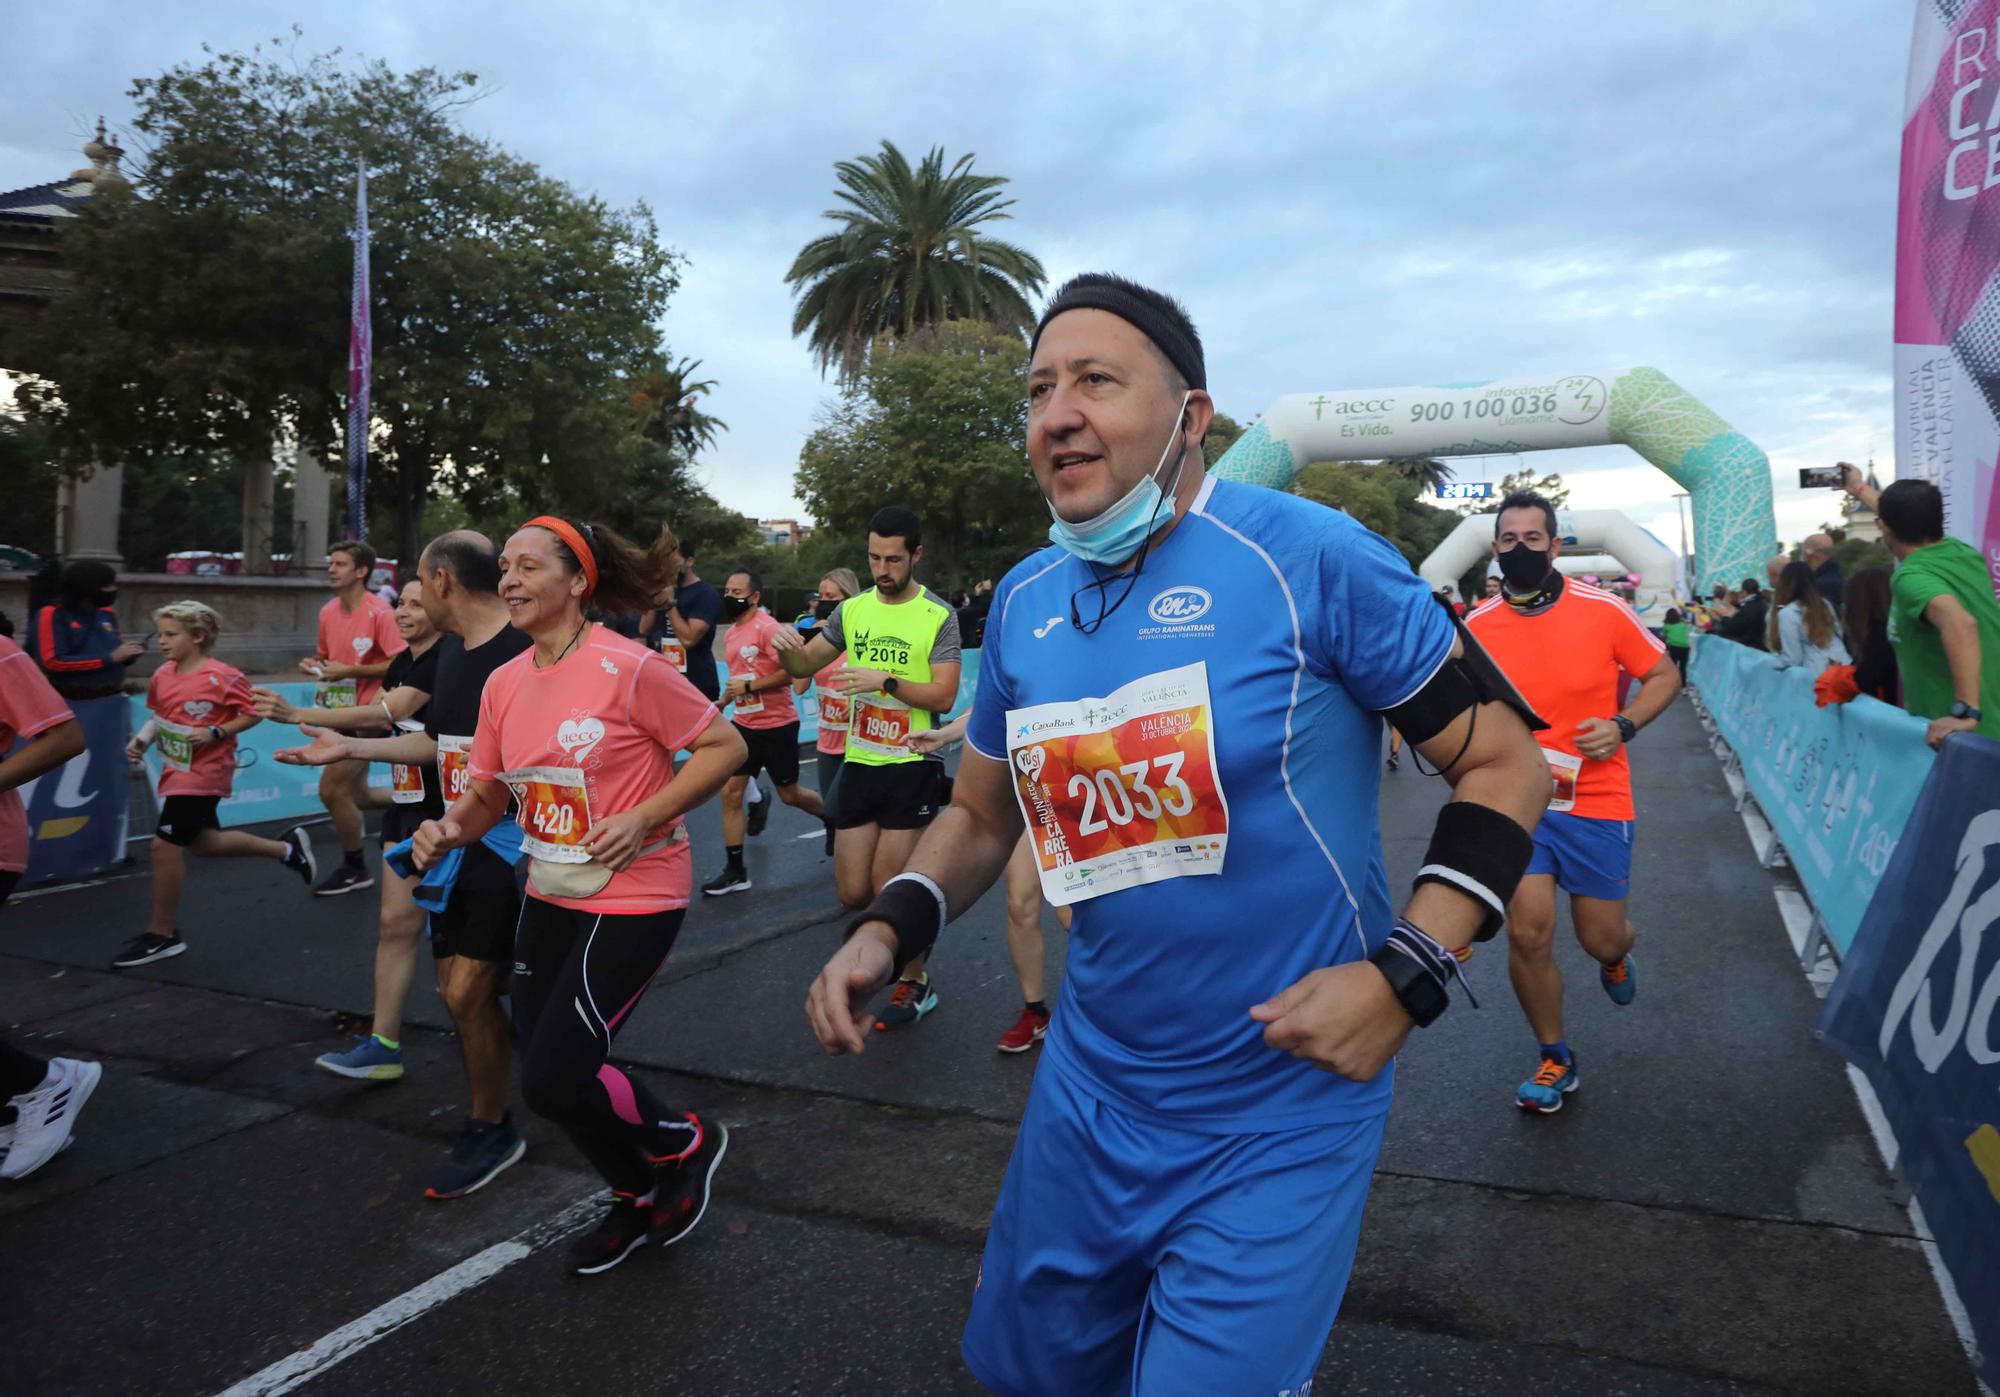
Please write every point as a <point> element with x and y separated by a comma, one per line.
<point>1183,350</point>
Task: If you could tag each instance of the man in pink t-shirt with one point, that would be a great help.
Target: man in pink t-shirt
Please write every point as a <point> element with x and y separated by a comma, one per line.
<point>42,1098</point>
<point>765,715</point>
<point>357,639</point>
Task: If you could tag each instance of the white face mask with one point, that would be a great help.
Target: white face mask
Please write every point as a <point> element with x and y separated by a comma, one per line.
<point>1116,533</point>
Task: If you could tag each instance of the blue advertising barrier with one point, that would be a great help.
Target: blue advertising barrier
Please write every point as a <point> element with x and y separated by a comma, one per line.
<point>77,813</point>
<point>1836,783</point>
<point>1917,1008</point>
<point>265,789</point>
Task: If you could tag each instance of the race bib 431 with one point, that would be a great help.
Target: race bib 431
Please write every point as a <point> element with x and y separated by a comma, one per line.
<point>1121,790</point>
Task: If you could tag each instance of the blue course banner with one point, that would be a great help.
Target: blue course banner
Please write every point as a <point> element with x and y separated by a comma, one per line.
<point>968,684</point>
<point>1836,783</point>
<point>265,788</point>
<point>77,813</point>
<point>1917,1008</point>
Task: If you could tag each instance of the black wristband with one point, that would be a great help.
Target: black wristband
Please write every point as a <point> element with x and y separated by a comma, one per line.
<point>911,910</point>
<point>1627,729</point>
<point>1479,852</point>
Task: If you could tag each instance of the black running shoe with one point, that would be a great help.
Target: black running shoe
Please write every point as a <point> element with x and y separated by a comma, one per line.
<point>299,857</point>
<point>622,1231</point>
<point>481,1151</point>
<point>146,948</point>
<point>730,880</point>
<point>759,815</point>
<point>344,879</point>
<point>683,1182</point>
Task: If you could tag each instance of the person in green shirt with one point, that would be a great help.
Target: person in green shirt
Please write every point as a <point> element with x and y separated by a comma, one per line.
<point>1674,630</point>
<point>1943,620</point>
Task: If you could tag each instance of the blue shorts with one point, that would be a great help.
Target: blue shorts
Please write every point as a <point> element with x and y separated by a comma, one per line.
<point>1126,1256</point>
<point>1589,858</point>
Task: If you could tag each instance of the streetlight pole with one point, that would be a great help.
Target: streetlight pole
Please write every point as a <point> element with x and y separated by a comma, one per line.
<point>1687,562</point>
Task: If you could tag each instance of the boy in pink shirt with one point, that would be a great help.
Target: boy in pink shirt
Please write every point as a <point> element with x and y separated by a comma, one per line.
<point>766,718</point>
<point>199,706</point>
<point>357,639</point>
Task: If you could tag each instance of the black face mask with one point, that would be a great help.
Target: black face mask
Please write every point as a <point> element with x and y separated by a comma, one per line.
<point>1524,568</point>
<point>823,608</point>
<point>102,600</point>
<point>734,608</point>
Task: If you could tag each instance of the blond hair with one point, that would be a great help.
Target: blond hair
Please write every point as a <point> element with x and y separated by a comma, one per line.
<point>195,616</point>
<point>843,578</point>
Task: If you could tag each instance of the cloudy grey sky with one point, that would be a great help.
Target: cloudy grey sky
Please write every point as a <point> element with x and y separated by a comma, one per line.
<point>1346,195</point>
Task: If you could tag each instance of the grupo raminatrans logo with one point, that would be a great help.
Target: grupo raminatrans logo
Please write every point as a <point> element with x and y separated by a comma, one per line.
<point>1177,606</point>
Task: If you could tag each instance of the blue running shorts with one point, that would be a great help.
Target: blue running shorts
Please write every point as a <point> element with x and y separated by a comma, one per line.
<point>1589,858</point>
<point>1126,1256</point>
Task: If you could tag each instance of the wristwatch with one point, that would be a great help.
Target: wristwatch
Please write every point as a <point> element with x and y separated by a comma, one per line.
<point>889,685</point>
<point>214,734</point>
<point>1627,729</point>
<point>1961,709</point>
<point>1422,997</point>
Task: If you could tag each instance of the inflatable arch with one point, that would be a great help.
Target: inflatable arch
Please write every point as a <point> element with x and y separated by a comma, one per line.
<point>1723,471</point>
<point>1595,541</point>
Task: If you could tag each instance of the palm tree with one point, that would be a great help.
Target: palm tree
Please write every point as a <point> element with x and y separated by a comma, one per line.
<point>664,400</point>
<point>908,254</point>
<point>1423,472</point>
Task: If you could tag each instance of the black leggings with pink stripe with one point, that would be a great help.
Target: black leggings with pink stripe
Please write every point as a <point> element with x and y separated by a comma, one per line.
<point>577,977</point>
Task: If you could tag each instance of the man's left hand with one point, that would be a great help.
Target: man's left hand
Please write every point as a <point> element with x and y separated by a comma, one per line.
<point>1941,728</point>
<point>1597,738</point>
<point>1344,1020</point>
<point>863,681</point>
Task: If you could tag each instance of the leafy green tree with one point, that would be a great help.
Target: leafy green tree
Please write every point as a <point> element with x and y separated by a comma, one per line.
<point>1223,430</point>
<point>1550,486</point>
<point>511,314</point>
<point>937,422</point>
<point>910,252</point>
<point>1383,495</point>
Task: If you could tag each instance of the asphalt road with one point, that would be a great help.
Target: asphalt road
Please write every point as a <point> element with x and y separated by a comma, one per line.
<point>1707,1215</point>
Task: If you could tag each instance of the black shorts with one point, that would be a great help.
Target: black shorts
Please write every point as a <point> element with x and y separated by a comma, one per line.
<point>775,750</point>
<point>399,822</point>
<point>902,795</point>
<point>183,818</point>
<point>478,923</point>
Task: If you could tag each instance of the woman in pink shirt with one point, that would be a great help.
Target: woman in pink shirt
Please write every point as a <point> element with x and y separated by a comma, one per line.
<point>834,588</point>
<point>199,705</point>
<point>582,730</point>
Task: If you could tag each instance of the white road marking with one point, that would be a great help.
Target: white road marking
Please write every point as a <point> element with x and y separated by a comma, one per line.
<point>296,1369</point>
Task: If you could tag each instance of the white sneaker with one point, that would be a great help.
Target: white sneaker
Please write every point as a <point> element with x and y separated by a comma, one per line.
<point>46,1116</point>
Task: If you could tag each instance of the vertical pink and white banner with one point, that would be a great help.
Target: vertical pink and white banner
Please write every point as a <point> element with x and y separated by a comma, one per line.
<point>1948,268</point>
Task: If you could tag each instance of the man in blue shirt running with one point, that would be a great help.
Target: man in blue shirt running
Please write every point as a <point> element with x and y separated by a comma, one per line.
<point>1182,701</point>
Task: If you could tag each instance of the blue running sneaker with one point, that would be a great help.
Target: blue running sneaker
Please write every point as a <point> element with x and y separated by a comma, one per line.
<point>1620,981</point>
<point>366,1061</point>
<point>481,1151</point>
<point>1544,1092</point>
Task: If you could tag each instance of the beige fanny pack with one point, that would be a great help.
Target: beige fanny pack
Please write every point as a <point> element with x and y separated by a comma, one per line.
<point>580,880</point>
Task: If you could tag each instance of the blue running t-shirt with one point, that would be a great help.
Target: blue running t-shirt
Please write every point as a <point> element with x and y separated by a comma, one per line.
<point>1306,626</point>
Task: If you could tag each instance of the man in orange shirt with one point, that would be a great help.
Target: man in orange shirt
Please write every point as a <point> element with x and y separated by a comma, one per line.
<point>1567,646</point>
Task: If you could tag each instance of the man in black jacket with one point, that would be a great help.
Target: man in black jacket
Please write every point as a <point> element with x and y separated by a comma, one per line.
<point>1818,553</point>
<point>1746,627</point>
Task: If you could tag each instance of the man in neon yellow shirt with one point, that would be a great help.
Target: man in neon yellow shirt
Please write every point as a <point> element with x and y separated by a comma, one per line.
<point>902,651</point>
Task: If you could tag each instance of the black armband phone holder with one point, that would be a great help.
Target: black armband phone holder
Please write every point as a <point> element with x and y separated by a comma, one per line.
<point>1481,853</point>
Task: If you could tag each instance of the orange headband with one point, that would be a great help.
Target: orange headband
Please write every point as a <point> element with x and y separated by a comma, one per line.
<point>564,531</point>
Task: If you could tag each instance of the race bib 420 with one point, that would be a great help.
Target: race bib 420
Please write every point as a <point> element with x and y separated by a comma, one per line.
<point>1121,790</point>
<point>553,810</point>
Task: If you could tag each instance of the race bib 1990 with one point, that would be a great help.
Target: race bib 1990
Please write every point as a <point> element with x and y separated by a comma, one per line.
<point>406,783</point>
<point>553,810</point>
<point>454,766</point>
<point>879,724</point>
<point>1121,790</point>
<point>176,746</point>
<point>1563,769</point>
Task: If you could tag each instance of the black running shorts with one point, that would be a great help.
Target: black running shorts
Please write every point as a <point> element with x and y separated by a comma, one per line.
<point>183,818</point>
<point>775,750</point>
<point>902,795</point>
<point>478,923</point>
